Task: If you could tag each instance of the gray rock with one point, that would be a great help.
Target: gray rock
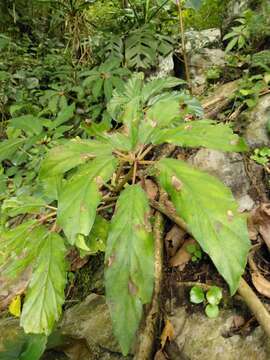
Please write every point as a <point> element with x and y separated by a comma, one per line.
<point>256,134</point>
<point>219,93</point>
<point>10,330</point>
<point>165,67</point>
<point>209,38</point>
<point>86,327</point>
<point>200,338</point>
<point>90,320</point>
<point>201,61</point>
<point>230,169</point>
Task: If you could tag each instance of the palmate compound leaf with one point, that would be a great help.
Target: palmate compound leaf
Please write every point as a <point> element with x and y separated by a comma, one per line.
<point>205,133</point>
<point>79,198</point>
<point>129,273</point>
<point>211,214</point>
<point>45,294</point>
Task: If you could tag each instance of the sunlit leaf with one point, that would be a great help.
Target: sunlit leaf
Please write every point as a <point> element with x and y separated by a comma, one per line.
<point>202,133</point>
<point>79,197</point>
<point>211,214</point>
<point>45,295</point>
<point>22,204</point>
<point>9,147</point>
<point>28,123</point>
<point>15,306</point>
<point>129,272</point>
<point>73,153</point>
<point>19,247</point>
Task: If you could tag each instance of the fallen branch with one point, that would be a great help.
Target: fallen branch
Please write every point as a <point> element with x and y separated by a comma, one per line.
<point>255,305</point>
<point>248,295</point>
<point>170,213</point>
<point>147,335</point>
<point>203,286</point>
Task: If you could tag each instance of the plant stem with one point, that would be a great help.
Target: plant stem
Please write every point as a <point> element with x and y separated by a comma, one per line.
<point>204,286</point>
<point>46,217</point>
<point>183,42</point>
<point>51,207</point>
<point>134,172</point>
<point>106,207</point>
<point>145,152</point>
<point>110,199</point>
<point>122,156</point>
<point>118,173</point>
<point>127,177</point>
<point>146,162</point>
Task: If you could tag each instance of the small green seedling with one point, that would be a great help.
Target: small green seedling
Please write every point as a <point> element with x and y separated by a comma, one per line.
<point>261,156</point>
<point>196,295</point>
<point>212,299</point>
<point>195,251</point>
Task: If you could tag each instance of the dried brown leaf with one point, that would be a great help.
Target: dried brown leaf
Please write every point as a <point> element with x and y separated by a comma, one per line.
<point>261,284</point>
<point>75,261</point>
<point>9,288</point>
<point>182,257</point>
<point>261,219</point>
<point>238,321</point>
<point>174,239</point>
<point>151,189</point>
<point>160,355</point>
<point>167,333</point>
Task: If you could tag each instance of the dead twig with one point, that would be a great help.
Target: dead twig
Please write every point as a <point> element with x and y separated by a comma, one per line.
<point>255,305</point>
<point>204,286</point>
<point>170,213</point>
<point>147,335</point>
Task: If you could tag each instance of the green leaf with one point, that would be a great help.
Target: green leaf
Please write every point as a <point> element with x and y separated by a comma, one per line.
<point>196,295</point>
<point>22,204</point>
<point>165,112</point>
<point>202,133</point>
<point>156,86</point>
<point>129,274</point>
<point>79,198</point>
<point>64,115</point>
<point>231,44</point>
<point>35,347</point>
<point>75,152</point>
<point>141,48</point>
<point>97,239</point>
<point>24,347</point>
<point>19,247</point>
<point>212,311</point>
<point>108,88</point>
<point>45,295</point>
<point>9,147</point>
<point>123,97</point>
<point>97,88</point>
<point>50,187</point>
<point>119,141</point>
<point>211,214</point>
<point>28,123</point>
<point>214,295</point>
